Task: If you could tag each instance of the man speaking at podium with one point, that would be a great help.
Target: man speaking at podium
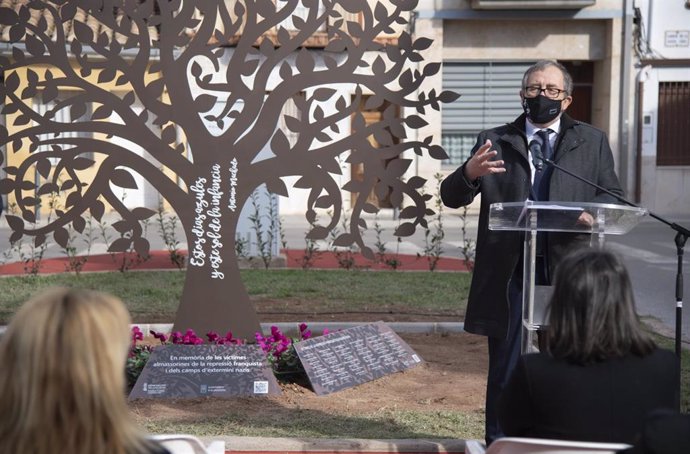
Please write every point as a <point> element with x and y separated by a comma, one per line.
<point>506,165</point>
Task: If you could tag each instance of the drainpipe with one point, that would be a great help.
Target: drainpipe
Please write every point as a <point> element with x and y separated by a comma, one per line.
<point>642,77</point>
<point>624,101</point>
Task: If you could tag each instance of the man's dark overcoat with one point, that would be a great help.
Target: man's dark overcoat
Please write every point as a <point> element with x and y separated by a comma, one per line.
<point>580,148</point>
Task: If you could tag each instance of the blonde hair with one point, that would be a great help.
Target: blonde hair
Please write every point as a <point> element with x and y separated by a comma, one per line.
<point>62,379</point>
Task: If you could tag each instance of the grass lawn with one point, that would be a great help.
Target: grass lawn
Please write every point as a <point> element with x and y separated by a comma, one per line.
<point>153,296</point>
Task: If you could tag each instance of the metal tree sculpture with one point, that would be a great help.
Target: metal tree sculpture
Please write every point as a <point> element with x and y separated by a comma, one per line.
<point>203,69</point>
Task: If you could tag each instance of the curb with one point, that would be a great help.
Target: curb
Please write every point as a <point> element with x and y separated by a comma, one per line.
<point>293,327</point>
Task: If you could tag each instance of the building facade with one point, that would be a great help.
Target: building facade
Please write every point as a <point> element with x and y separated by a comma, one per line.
<point>630,64</point>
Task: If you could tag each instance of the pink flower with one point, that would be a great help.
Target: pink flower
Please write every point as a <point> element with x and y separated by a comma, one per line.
<point>136,334</point>
<point>304,333</point>
<point>212,336</point>
<point>160,336</point>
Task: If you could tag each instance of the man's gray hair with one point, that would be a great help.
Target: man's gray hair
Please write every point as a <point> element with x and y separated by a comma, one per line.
<point>542,65</point>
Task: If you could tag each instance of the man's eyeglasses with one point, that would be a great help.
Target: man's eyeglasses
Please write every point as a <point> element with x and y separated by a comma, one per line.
<point>550,92</point>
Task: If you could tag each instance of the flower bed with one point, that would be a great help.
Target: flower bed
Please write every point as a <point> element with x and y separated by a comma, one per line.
<point>279,349</point>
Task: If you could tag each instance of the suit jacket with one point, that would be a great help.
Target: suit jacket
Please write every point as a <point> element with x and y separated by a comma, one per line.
<point>606,401</point>
<point>580,148</point>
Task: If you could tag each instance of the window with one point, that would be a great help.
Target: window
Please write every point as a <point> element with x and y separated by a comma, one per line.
<point>673,133</point>
<point>489,97</point>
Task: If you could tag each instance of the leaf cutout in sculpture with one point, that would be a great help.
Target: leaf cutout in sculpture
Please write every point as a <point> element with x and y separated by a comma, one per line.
<point>354,6</point>
<point>416,182</point>
<point>73,199</point>
<point>16,236</point>
<point>422,43</point>
<point>318,233</point>
<point>102,112</point>
<point>97,210</point>
<point>204,103</point>
<point>21,120</point>
<point>142,213</point>
<point>83,32</point>
<point>397,167</point>
<point>120,245</point>
<point>370,208</point>
<point>43,167</point>
<point>280,143</point>
<point>29,216</point>
<point>47,188</point>
<point>325,201</point>
<point>169,134</point>
<point>34,46</point>
<point>123,179</point>
<point>437,152</point>
<point>106,75</point>
<point>79,224</point>
<point>277,186</point>
<point>304,62</point>
<point>39,240</point>
<point>142,246</point>
<point>404,229</point>
<point>448,96</point>
<point>82,163</point>
<point>8,16</point>
<point>344,240</point>
<point>121,226</point>
<point>431,69</point>
<point>367,253</point>
<point>77,110</point>
<point>408,212</point>
<point>323,94</point>
<point>415,122</point>
<point>61,236</point>
<point>14,222</point>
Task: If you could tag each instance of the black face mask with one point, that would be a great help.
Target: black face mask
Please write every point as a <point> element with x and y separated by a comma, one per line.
<point>541,110</point>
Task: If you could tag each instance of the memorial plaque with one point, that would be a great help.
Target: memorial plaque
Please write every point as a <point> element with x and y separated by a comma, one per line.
<point>186,371</point>
<point>350,357</point>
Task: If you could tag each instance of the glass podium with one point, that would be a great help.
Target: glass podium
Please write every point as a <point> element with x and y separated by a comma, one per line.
<point>532,217</point>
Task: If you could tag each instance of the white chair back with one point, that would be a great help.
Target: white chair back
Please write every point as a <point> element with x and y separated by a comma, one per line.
<point>515,445</point>
<point>188,444</point>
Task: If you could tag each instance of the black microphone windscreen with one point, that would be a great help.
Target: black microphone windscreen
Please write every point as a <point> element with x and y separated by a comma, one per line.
<point>537,156</point>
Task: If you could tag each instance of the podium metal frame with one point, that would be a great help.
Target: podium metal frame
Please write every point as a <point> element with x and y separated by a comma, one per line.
<point>532,217</point>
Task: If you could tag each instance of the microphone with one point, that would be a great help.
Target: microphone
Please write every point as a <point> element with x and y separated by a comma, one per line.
<point>537,155</point>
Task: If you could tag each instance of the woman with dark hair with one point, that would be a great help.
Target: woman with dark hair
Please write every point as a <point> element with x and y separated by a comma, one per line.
<point>599,373</point>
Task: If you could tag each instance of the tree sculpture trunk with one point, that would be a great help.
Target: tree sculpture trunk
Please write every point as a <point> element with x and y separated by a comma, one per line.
<point>214,297</point>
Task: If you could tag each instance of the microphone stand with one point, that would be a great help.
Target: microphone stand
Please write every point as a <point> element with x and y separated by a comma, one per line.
<point>682,235</point>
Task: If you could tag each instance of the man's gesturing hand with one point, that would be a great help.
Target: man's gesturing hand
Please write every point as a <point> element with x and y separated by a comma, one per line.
<point>480,163</point>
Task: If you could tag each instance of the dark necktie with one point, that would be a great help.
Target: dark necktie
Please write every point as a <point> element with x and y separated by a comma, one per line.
<point>540,187</point>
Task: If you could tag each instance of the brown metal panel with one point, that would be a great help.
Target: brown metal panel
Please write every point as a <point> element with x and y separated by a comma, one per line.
<point>673,129</point>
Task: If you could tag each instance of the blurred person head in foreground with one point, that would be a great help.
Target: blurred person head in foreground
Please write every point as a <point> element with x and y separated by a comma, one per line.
<point>62,380</point>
